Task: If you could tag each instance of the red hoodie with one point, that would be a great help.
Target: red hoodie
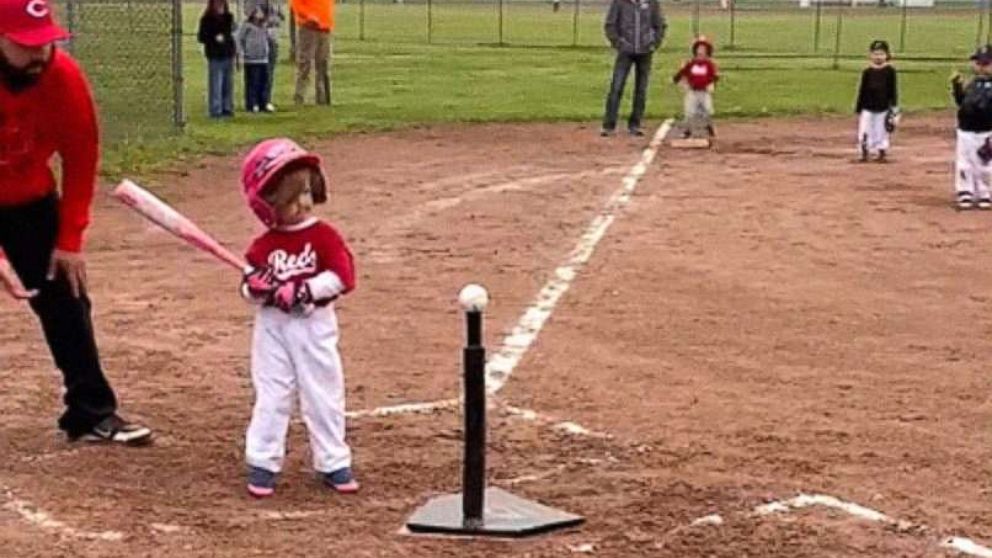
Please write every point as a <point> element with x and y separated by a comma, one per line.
<point>56,115</point>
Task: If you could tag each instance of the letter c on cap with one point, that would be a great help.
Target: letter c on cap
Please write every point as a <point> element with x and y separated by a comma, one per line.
<point>38,9</point>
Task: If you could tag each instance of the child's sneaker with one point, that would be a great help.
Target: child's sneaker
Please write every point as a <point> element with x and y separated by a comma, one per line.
<point>261,482</point>
<point>882,156</point>
<point>965,200</point>
<point>985,203</point>
<point>342,481</point>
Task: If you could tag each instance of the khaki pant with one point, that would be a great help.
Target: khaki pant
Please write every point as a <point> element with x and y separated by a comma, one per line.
<point>313,51</point>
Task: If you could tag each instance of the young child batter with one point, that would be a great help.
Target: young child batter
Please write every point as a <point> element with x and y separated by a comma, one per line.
<point>698,78</point>
<point>300,266</point>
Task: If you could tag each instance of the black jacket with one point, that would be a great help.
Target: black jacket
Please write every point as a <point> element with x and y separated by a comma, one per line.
<point>878,91</point>
<point>213,26</point>
<point>974,104</point>
<point>635,26</point>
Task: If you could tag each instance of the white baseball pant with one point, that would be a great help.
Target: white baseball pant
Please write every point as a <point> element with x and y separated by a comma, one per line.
<point>297,354</point>
<point>972,174</point>
<point>697,104</point>
<point>871,131</point>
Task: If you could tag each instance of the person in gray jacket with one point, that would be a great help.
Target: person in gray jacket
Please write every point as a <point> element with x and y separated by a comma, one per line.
<point>635,28</point>
<point>253,49</point>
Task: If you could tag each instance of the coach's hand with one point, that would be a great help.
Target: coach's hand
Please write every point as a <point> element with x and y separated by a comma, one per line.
<point>12,284</point>
<point>73,266</point>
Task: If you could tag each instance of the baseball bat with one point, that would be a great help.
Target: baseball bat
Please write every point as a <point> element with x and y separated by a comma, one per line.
<point>163,215</point>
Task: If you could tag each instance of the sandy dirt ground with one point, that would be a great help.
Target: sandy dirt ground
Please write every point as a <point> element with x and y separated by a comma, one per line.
<point>765,319</point>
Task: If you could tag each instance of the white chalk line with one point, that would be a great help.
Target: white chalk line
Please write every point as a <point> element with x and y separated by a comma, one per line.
<point>503,362</point>
<point>40,518</point>
<point>959,544</point>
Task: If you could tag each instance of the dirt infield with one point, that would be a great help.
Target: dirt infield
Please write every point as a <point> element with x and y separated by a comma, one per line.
<point>765,319</point>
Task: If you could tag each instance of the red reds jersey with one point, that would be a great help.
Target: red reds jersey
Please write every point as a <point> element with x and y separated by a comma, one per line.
<point>699,73</point>
<point>56,115</point>
<point>303,252</point>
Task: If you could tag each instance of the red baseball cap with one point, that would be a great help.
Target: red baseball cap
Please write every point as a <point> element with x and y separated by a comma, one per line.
<point>29,23</point>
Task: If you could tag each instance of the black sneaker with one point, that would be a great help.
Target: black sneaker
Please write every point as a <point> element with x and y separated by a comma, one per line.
<point>635,131</point>
<point>115,430</point>
<point>965,201</point>
<point>606,132</point>
<point>984,204</point>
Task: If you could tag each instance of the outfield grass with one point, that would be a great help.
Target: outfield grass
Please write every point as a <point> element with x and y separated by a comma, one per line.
<point>395,79</point>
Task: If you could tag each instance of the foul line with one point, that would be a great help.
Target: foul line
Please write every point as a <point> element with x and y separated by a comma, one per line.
<point>40,518</point>
<point>960,544</point>
<point>504,361</point>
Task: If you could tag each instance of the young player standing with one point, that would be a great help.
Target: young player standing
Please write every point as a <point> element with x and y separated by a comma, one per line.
<point>698,78</point>
<point>301,265</point>
<point>877,105</point>
<point>974,100</point>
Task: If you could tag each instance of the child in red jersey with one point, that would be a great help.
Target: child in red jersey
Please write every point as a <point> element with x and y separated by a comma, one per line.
<point>698,78</point>
<point>299,267</point>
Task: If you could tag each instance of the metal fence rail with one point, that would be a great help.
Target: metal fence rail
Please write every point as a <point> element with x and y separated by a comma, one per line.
<point>132,53</point>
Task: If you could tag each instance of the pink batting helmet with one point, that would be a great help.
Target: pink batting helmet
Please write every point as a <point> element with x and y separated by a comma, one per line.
<point>264,162</point>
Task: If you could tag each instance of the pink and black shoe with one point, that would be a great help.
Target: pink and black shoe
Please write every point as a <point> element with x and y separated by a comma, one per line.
<point>342,481</point>
<point>261,482</point>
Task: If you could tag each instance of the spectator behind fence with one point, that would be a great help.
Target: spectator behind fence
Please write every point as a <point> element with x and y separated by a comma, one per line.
<point>253,51</point>
<point>635,28</point>
<point>274,17</point>
<point>315,22</point>
<point>216,33</point>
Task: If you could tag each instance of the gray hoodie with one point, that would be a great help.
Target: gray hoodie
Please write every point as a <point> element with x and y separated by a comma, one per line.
<point>635,26</point>
<point>253,43</point>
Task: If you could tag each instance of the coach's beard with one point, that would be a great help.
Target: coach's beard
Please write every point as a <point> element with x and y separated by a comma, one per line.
<point>19,79</point>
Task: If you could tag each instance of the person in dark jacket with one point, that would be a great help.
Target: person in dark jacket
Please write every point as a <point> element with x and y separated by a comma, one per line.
<point>635,28</point>
<point>974,151</point>
<point>216,33</point>
<point>878,102</point>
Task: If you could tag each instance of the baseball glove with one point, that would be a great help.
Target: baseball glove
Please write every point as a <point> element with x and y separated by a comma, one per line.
<point>892,119</point>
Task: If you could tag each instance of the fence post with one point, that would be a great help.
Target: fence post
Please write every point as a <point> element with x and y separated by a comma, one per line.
<point>70,17</point>
<point>733,24</point>
<point>361,20</point>
<point>902,26</point>
<point>499,5</point>
<point>695,19</point>
<point>178,103</point>
<point>840,27</point>
<point>292,36</point>
<point>575,25</point>
<point>981,26</point>
<point>988,32</point>
<point>816,25</point>
<point>430,21</point>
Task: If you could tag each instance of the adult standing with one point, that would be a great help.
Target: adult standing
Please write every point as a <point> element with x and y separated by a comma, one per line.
<point>46,107</point>
<point>216,33</point>
<point>635,28</point>
<point>315,23</point>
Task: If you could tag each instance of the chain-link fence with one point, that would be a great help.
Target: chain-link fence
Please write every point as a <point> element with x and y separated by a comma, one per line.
<point>132,53</point>
<point>920,28</point>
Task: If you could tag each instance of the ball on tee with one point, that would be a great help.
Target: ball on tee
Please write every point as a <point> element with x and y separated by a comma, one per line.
<point>473,298</point>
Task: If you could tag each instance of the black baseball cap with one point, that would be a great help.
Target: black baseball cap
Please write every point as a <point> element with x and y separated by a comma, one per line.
<point>983,55</point>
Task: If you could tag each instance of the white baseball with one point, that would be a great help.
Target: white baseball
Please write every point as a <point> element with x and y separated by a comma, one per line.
<point>473,298</point>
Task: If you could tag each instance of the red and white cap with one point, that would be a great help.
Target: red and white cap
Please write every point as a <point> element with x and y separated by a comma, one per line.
<point>263,164</point>
<point>29,23</point>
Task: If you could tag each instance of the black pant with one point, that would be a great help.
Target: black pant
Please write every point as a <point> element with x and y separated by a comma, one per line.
<point>256,86</point>
<point>621,69</point>
<point>27,236</point>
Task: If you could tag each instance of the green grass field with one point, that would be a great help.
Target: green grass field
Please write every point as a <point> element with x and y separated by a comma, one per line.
<point>393,78</point>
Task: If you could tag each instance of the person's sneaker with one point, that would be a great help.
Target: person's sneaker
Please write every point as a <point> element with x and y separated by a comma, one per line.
<point>261,482</point>
<point>985,203</point>
<point>882,156</point>
<point>606,132</point>
<point>115,430</point>
<point>342,481</point>
<point>635,131</point>
<point>270,108</point>
<point>965,201</point>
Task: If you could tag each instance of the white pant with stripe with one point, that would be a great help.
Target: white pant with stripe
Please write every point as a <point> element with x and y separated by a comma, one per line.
<point>295,354</point>
<point>971,173</point>
<point>871,131</point>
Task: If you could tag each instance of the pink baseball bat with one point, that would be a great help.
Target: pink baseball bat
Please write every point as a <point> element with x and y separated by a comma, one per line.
<point>163,215</point>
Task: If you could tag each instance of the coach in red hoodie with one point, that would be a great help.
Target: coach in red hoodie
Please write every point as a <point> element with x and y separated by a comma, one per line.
<point>46,107</point>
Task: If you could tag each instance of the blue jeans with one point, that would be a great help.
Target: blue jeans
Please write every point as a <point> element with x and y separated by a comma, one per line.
<point>621,69</point>
<point>220,87</point>
<point>256,86</point>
